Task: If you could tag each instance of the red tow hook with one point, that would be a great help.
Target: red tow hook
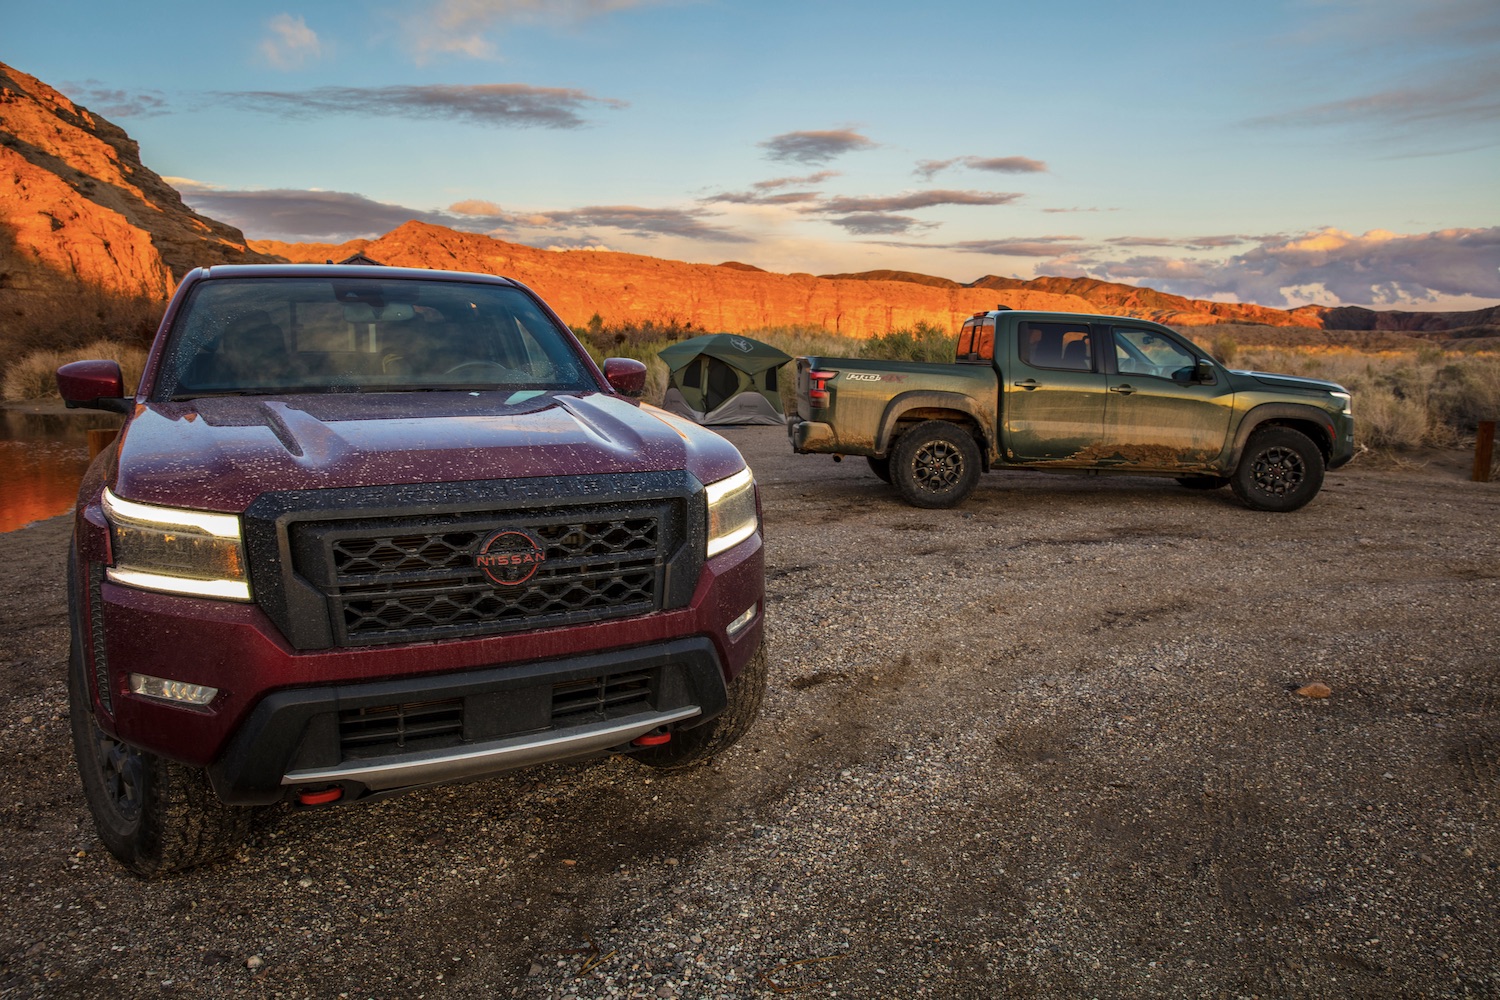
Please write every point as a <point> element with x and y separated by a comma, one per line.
<point>321,797</point>
<point>651,740</point>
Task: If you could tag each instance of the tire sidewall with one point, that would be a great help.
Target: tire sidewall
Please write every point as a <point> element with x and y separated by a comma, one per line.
<point>906,453</point>
<point>1263,441</point>
<point>126,837</point>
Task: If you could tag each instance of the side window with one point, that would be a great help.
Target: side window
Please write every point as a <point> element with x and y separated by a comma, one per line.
<point>1146,352</point>
<point>1065,346</point>
<point>976,341</point>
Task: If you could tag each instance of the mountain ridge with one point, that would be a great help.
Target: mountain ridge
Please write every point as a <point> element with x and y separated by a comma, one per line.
<point>80,211</point>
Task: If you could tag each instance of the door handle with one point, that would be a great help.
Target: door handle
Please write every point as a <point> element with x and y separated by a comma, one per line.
<point>1028,384</point>
<point>1123,390</point>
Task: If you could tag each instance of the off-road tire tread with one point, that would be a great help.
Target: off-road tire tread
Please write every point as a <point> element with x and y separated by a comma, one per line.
<point>182,823</point>
<point>1243,480</point>
<point>690,747</point>
<point>903,455</point>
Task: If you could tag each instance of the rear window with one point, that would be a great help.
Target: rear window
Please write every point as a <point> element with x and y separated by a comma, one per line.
<point>1064,346</point>
<point>286,335</point>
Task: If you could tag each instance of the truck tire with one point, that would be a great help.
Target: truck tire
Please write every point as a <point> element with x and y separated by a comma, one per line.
<point>1280,470</point>
<point>881,467</point>
<point>935,464</point>
<point>155,815</point>
<point>703,743</point>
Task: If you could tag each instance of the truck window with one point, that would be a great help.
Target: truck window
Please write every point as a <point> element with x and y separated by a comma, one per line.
<point>1147,352</point>
<point>298,334</point>
<point>1065,346</point>
<point>976,341</point>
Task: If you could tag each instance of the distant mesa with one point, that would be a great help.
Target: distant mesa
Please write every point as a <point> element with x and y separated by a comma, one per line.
<point>78,210</point>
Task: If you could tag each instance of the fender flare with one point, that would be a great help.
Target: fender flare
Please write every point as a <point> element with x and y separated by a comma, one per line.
<point>936,399</point>
<point>1282,413</point>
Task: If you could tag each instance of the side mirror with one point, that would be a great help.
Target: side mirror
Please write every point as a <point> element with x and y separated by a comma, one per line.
<point>1203,372</point>
<point>93,385</point>
<point>625,376</point>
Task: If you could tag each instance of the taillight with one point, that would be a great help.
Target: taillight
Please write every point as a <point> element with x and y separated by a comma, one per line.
<point>818,395</point>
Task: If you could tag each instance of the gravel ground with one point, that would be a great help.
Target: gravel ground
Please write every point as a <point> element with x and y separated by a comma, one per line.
<point>1048,743</point>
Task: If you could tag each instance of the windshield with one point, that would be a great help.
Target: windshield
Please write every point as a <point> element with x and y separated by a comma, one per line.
<point>290,335</point>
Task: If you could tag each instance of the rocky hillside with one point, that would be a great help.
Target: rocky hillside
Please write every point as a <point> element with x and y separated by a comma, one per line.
<point>78,208</point>
<point>729,297</point>
<point>79,211</point>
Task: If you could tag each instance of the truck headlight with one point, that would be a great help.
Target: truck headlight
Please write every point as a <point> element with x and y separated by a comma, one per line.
<point>176,551</point>
<point>1342,398</point>
<point>731,511</point>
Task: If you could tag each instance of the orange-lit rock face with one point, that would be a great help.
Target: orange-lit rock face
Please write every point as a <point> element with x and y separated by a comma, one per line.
<point>78,207</point>
<point>731,298</point>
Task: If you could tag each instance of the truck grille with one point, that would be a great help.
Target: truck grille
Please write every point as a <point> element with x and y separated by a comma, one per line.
<point>409,579</point>
<point>421,562</point>
<point>399,583</point>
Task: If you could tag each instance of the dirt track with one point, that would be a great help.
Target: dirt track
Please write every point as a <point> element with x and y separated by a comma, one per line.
<point>1044,744</point>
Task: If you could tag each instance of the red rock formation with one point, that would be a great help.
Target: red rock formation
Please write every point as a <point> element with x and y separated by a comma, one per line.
<point>77,207</point>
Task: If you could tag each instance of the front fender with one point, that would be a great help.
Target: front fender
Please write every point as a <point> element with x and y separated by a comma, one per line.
<point>986,418</point>
<point>1313,421</point>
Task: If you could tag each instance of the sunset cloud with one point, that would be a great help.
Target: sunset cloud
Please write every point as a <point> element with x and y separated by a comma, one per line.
<point>1379,268</point>
<point>687,223</point>
<point>1185,242</point>
<point>466,27</point>
<point>290,44</point>
<point>1032,246</point>
<point>916,200</point>
<point>994,164</point>
<point>495,105</point>
<point>781,182</point>
<point>814,148</point>
<point>114,103</point>
<point>291,215</point>
<point>879,224</point>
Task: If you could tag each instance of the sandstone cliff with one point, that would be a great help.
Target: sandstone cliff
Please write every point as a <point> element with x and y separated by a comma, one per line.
<point>80,216</point>
<point>78,208</point>
<point>727,298</point>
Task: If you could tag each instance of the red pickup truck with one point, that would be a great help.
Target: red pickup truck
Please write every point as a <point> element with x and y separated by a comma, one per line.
<point>367,529</point>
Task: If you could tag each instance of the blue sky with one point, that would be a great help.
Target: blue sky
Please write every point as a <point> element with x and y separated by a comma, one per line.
<point>1328,151</point>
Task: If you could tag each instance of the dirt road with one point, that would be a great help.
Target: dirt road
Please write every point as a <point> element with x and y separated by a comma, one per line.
<point>1045,744</point>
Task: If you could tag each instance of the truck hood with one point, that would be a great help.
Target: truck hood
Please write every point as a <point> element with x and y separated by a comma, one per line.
<point>220,453</point>
<point>1292,382</point>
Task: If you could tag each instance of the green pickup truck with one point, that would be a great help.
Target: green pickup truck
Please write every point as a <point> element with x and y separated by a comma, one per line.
<point>1074,393</point>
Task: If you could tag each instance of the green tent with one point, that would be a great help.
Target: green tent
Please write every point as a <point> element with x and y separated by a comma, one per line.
<point>724,378</point>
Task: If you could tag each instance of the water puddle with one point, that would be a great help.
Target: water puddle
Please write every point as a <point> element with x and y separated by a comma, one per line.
<point>42,458</point>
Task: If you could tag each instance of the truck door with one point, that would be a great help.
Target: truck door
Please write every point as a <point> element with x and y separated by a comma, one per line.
<point>1157,416</point>
<point>1054,393</point>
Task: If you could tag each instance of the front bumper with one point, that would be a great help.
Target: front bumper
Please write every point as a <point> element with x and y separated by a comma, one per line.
<point>385,736</point>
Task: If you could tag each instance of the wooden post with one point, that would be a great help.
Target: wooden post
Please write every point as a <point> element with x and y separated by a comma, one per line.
<point>99,439</point>
<point>1484,451</point>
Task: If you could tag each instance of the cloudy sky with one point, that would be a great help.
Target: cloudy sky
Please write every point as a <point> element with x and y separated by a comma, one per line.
<point>1280,152</point>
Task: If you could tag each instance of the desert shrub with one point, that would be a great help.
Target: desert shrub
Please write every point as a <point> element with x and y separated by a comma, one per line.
<point>1226,349</point>
<point>1468,391</point>
<point>1383,419</point>
<point>64,321</point>
<point>35,375</point>
<point>1402,398</point>
<point>923,342</point>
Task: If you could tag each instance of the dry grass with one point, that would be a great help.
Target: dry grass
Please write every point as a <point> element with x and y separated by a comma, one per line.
<point>35,376</point>
<point>1402,398</point>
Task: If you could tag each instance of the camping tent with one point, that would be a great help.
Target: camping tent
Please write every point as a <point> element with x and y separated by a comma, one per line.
<point>724,379</point>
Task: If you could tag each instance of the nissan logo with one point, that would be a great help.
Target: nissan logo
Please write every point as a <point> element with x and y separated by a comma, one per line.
<point>508,558</point>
